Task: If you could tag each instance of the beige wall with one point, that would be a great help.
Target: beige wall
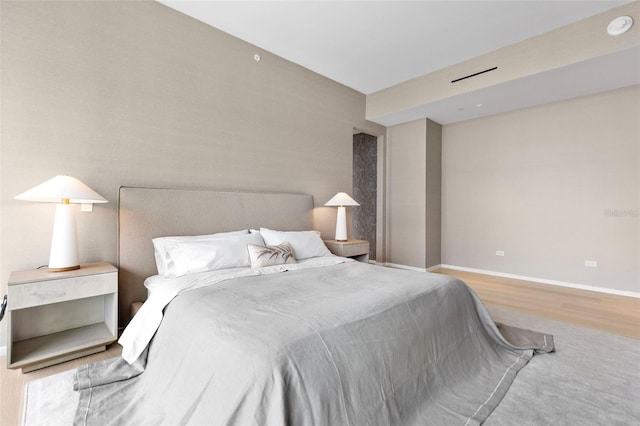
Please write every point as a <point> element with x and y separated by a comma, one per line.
<point>134,93</point>
<point>413,194</point>
<point>551,186</point>
<point>433,195</point>
<point>405,198</point>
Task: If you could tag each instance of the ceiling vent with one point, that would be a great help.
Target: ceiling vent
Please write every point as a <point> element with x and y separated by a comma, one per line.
<point>473,75</point>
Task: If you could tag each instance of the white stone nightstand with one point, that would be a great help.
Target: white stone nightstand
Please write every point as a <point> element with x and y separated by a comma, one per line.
<point>355,249</point>
<point>57,316</point>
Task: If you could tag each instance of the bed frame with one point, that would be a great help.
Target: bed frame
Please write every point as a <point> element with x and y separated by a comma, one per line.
<point>146,213</point>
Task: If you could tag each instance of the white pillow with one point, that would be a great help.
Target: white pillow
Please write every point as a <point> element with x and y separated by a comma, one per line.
<point>211,255</point>
<point>305,244</point>
<point>163,260</point>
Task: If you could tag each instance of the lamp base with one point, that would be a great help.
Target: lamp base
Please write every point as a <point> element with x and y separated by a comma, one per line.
<point>64,242</point>
<point>65,269</point>
<point>341,225</point>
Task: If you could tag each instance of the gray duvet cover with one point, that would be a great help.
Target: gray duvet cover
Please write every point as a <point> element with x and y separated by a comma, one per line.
<point>350,344</point>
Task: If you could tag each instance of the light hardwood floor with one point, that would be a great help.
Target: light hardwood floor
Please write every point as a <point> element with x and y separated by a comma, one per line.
<point>614,314</point>
<point>601,311</point>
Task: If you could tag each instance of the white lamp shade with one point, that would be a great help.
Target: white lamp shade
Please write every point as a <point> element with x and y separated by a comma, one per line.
<point>60,188</point>
<point>341,199</point>
<point>64,242</point>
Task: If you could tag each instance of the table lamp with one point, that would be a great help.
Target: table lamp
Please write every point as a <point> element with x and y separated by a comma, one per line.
<point>341,200</point>
<point>64,190</point>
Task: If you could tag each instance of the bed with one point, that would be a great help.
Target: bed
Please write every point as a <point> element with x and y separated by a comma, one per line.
<point>323,340</point>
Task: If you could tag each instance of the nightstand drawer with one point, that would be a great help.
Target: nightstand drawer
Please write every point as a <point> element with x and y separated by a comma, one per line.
<point>54,291</point>
<point>25,291</point>
<point>357,249</point>
<point>354,249</point>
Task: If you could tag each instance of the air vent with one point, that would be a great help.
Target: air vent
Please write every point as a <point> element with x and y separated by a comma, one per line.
<point>473,75</point>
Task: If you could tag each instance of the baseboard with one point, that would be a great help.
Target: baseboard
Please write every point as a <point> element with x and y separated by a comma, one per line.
<point>544,281</point>
<point>409,268</point>
<point>3,351</point>
<point>433,268</point>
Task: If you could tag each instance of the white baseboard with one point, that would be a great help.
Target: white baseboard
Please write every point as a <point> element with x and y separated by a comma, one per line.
<point>517,277</point>
<point>545,281</point>
<point>409,268</point>
<point>3,351</point>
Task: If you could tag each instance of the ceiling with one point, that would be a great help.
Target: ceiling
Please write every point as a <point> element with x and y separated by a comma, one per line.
<point>373,45</point>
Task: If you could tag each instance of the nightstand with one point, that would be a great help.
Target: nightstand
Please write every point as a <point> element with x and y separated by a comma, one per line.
<point>57,316</point>
<point>355,249</point>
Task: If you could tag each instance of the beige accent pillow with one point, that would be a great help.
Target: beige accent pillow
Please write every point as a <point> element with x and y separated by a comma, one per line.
<point>270,255</point>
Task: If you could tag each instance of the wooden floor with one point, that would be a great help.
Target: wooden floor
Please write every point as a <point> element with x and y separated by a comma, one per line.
<point>601,311</point>
<point>614,314</point>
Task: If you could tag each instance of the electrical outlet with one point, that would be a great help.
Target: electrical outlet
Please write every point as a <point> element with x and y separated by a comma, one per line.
<point>86,207</point>
<point>591,263</point>
<point>499,253</point>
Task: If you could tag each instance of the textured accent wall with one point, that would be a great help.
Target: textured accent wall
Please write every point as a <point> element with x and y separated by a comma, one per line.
<point>365,177</point>
<point>135,93</point>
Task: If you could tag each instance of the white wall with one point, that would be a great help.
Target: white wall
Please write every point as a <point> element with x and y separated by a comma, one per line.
<point>551,186</point>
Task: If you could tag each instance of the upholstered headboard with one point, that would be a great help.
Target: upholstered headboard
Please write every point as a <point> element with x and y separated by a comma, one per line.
<point>146,213</point>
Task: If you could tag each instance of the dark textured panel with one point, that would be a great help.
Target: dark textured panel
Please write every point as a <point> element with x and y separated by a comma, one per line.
<point>364,189</point>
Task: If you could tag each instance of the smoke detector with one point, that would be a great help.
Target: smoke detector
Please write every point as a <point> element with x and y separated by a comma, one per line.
<point>620,25</point>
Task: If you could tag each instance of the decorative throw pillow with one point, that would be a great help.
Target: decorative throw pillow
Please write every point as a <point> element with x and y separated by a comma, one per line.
<point>270,255</point>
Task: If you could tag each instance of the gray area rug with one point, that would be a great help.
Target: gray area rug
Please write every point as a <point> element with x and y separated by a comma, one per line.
<point>593,378</point>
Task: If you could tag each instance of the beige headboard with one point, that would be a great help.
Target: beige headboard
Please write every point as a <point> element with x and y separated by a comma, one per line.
<point>146,213</point>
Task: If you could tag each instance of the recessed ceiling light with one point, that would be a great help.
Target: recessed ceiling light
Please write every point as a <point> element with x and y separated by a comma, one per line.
<point>620,25</point>
<point>478,105</point>
<point>257,57</point>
